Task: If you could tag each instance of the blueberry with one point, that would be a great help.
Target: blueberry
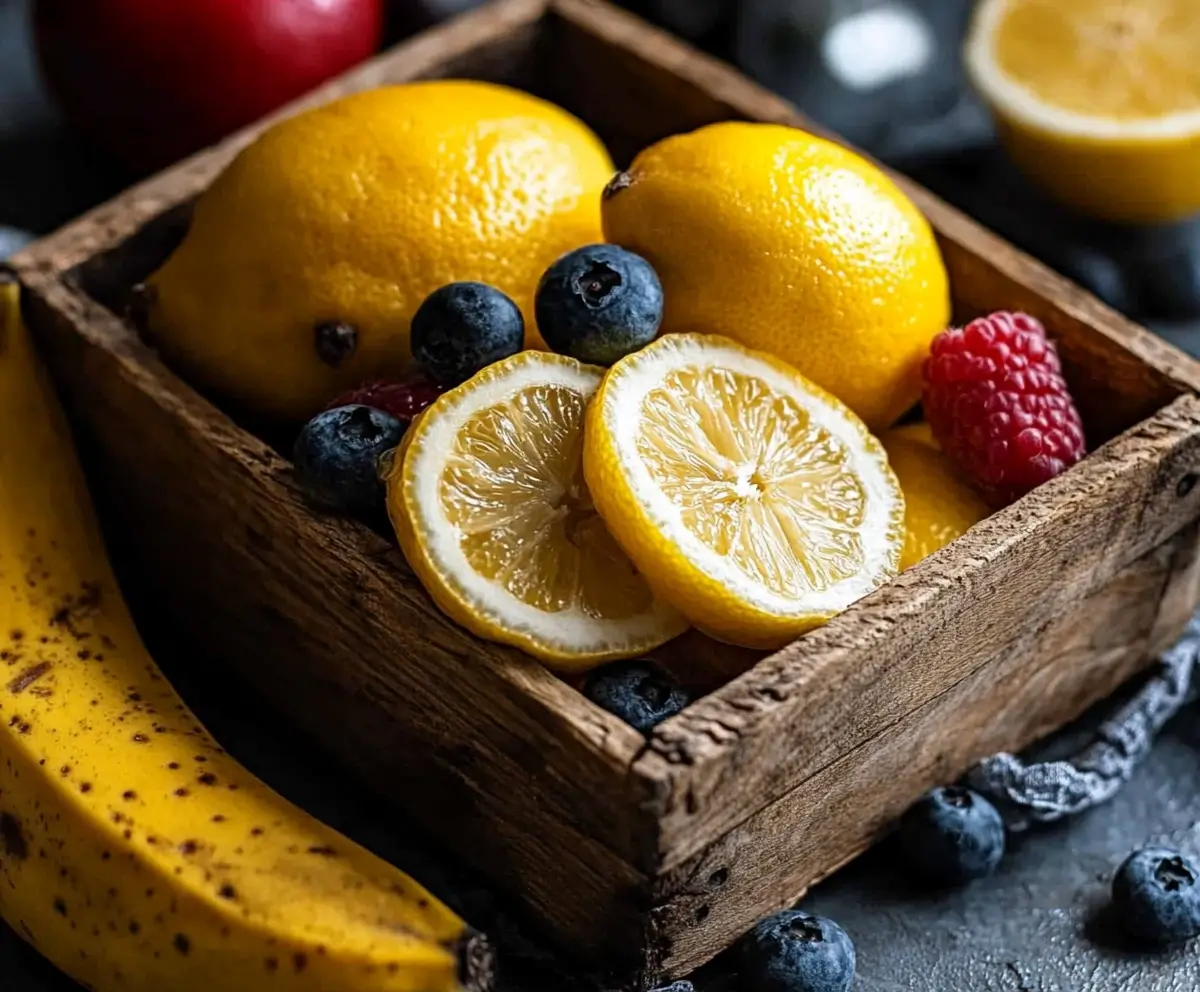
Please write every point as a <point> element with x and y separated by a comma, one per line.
<point>337,457</point>
<point>796,952</point>
<point>676,987</point>
<point>951,836</point>
<point>639,692</point>
<point>599,304</point>
<point>462,328</point>
<point>1156,896</point>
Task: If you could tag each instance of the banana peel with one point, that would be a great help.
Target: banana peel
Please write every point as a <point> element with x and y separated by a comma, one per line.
<point>135,853</point>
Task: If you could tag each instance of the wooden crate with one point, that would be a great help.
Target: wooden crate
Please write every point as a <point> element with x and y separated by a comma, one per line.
<point>644,858</point>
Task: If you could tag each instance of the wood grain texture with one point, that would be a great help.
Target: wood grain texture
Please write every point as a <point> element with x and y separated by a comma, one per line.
<point>751,741</point>
<point>645,857</point>
<point>1050,673</point>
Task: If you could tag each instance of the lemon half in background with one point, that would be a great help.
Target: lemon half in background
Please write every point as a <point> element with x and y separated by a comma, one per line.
<point>1098,101</point>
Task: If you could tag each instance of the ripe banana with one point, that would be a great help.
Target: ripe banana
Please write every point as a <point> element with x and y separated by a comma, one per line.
<point>134,852</point>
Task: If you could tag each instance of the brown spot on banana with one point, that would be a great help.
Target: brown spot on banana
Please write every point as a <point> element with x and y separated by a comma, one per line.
<point>12,838</point>
<point>28,677</point>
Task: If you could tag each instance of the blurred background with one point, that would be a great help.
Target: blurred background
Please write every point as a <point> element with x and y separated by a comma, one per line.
<point>886,74</point>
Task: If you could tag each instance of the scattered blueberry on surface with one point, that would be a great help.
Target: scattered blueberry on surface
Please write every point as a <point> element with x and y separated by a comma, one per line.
<point>463,328</point>
<point>796,952</point>
<point>337,453</point>
<point>639,692</point>
<point>599,304</point>
<point>951,836</point>
<point>1156,896</point>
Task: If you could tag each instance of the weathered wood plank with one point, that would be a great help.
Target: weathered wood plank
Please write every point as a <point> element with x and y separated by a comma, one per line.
<point>753,740</point>
<point>1050,673</point>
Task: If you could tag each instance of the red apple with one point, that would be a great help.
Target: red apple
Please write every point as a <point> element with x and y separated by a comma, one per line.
<point>154,80</point>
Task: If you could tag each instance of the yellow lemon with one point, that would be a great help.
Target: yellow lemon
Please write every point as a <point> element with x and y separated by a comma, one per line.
<point>489,503</point>
<point>794,246</point>
<point>749,497</point>
<point>939,505</point>
<point>1097,100</point>
<point>307,257</point>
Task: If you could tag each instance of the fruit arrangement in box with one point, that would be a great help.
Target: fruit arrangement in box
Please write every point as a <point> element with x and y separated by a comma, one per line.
<point>603,406</point>
<point>715,389</point>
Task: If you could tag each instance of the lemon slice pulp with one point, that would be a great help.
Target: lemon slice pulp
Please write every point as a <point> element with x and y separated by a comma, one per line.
<point>489,502</point>
<point>750,498</point>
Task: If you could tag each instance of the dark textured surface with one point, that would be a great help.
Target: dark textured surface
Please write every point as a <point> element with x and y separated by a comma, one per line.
<point>1036,926</point>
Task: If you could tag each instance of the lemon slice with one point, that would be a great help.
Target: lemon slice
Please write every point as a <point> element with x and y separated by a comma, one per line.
<point>1098,100</point>
<point>489,503</point>
<point>750,498</point>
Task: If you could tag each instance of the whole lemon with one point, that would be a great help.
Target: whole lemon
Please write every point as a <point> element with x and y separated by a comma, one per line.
<point>308,255</point>
<point>939,505</point>
<point>792,245</point>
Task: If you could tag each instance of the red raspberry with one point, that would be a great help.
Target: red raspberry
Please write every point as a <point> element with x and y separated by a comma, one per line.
<point>403,400</point>
<point>998,405</point>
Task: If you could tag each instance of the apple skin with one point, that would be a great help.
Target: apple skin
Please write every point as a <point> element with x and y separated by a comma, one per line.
<point>152,81</point>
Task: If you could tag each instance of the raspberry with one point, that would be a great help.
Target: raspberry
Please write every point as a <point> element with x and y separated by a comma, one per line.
<point>403,400</point>
<point>998,405</point>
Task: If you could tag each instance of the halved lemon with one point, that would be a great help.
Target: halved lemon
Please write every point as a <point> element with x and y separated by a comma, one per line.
<point>750,498</point>
<point>489,503</point>
<point>1097,100</point>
